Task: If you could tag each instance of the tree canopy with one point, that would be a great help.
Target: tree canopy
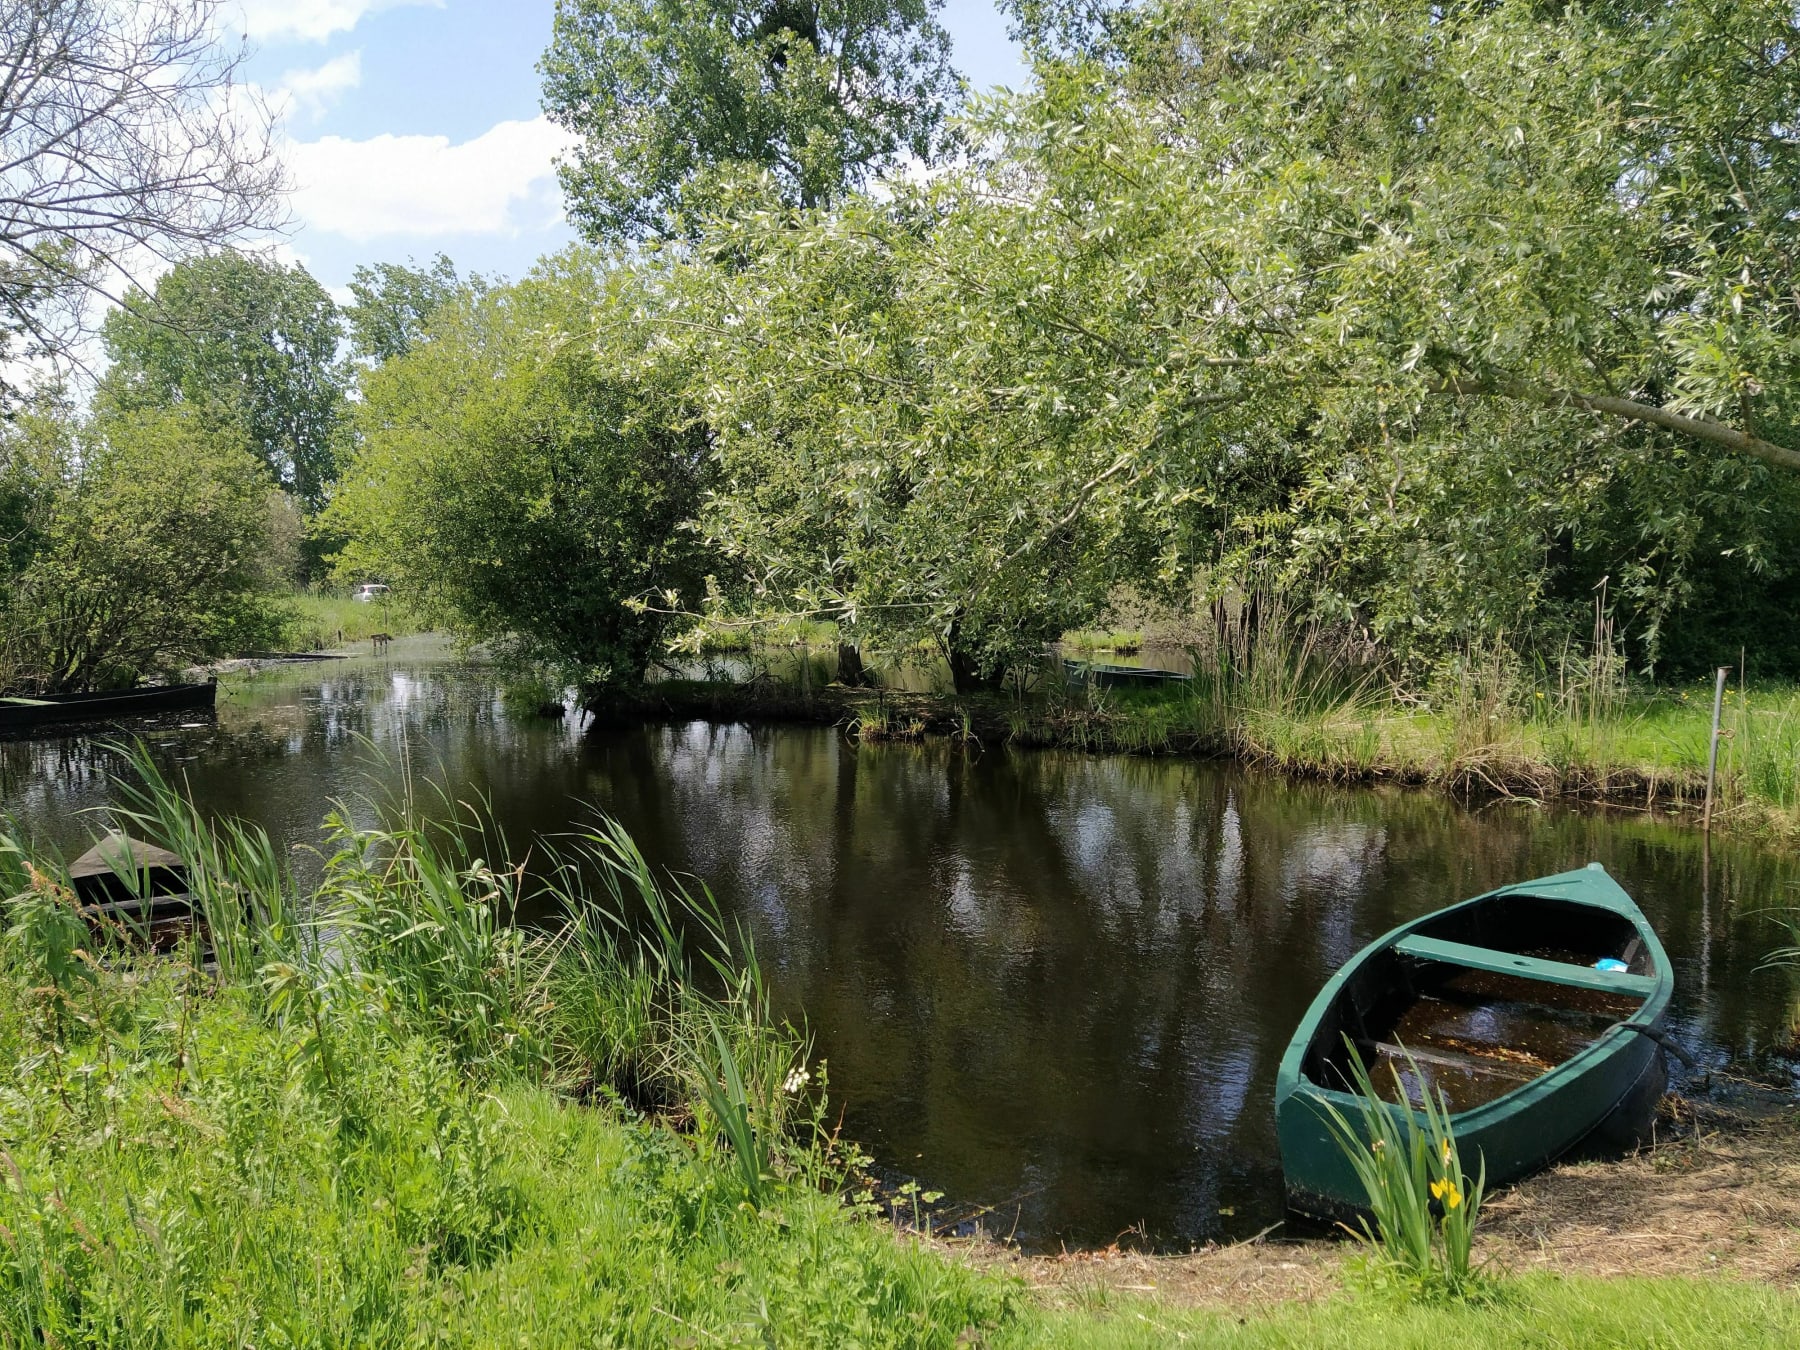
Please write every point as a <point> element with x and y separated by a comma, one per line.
<point>676,102</point>
<point>392,304</point>
<point>147,551</point>
<point>528,474</point>
<point>1429,314</point>
<point>243,338</point>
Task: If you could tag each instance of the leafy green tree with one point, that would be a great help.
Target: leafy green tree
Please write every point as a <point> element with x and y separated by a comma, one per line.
<point>896,455</point>
<point>244,339</point>
<point>1060,29</point>
<point>36,446</point>
<point>676,102</point>
<point>149,554</point>
<point>394,304</point>
<point>1424,313</point>
<point>528,474</point>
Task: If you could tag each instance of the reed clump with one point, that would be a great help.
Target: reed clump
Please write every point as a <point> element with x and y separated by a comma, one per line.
<point>437,1096</point>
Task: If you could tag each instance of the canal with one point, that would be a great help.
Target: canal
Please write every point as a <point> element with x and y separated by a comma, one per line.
<point>1053,986</point>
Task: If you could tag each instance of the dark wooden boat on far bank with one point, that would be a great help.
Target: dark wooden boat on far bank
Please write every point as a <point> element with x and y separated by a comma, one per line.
<point>1104,675</point>
<point>27,714</point>
<point>1537,1010</point>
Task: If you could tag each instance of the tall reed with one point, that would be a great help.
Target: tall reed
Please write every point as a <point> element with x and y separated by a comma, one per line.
<point>587,969</point>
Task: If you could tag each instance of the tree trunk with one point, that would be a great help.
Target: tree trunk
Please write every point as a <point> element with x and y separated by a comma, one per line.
<point>966,673</point>
<point>850,668</point>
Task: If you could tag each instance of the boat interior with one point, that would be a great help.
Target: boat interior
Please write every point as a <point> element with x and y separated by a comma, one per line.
<point>1483,999</point>
<point>134,894</point>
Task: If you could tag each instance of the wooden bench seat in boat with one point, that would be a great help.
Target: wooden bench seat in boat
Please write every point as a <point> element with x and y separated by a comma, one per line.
<point>1529,967</point>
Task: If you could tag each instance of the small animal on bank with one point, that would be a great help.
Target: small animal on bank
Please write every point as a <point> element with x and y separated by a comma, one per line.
<point>378,642</point>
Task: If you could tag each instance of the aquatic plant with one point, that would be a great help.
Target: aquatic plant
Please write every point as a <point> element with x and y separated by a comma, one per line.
<point>1424,1205</point>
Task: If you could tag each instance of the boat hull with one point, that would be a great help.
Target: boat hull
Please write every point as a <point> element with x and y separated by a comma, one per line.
<point>63,708</point>
<point>1103,676</point>
<point>1612,1085</point>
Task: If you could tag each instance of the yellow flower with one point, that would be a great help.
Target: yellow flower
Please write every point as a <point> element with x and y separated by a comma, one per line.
<point>1446,1191</point>
<point>1446,1153</point>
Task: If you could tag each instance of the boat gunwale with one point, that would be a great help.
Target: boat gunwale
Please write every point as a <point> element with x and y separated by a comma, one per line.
<point>1291,1080</point>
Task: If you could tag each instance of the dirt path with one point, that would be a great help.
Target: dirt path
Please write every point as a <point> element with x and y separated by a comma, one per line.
<point>1717,1193</point>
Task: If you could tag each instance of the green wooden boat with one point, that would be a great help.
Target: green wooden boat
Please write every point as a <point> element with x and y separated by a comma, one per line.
<point>1536,1010</point>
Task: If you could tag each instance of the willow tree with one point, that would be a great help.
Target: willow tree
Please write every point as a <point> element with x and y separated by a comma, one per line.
<point>527,475</point>
<point>1413,307</point>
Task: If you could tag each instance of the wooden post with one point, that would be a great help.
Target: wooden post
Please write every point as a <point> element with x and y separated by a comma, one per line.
<point>1712,754</point>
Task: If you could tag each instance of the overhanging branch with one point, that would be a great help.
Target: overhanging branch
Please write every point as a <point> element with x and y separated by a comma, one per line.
<point>1700,428</point>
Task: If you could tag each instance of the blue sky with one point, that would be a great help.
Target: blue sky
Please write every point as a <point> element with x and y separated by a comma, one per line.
<point>413,126</point>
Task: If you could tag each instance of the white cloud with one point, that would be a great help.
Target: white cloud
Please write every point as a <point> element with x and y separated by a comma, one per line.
<point>313,91</point>
<point>309,20</point>
<point>501,182</point>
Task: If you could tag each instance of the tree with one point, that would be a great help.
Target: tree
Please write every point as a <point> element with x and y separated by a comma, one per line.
<point>123,138</point>
<point>526,477</point>
<point>242,338</point>
<point>149,555</point>
<point>1054,30</point>
<point>394,304</point>
<point>676,102</point>
<point>896,454</point>
<point>1418,311</point>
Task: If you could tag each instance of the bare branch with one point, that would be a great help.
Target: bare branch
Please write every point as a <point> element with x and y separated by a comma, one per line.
<point>125,138</point>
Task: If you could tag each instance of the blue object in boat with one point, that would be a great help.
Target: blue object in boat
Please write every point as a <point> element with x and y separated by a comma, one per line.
<point>1612,964</point>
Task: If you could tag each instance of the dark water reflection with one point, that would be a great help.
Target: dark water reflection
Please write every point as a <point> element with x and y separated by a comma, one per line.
<point>1046,982</point>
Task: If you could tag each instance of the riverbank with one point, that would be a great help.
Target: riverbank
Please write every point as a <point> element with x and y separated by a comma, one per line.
<point>328,621</point>
<point>470,1134</point>
<point>1714,1194</point>
<point>1648,753</point>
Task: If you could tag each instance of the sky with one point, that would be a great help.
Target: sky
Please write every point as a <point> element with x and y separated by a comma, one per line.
<point>412,127</point>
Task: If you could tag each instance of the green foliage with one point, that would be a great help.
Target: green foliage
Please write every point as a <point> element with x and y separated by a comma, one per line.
<point>394,304</point>
<point>1489,306</point>
<point>147,553</point>
<point>356,1140</point>
<point>682,107</point>
<point>1424,1205</point>
<point>529,472</point>
<point>245,340</point>
<point>35,451</point>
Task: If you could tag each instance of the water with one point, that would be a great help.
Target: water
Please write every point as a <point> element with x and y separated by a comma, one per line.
<point>1049,985</point>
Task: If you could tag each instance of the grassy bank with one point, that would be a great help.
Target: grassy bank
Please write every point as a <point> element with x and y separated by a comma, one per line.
<point>1645,748</point>
<point>386,1117</point>
<point>316,621</point>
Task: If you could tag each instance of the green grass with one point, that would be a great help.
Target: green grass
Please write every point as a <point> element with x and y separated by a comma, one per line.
<point>389,1118</point>
<point>1123,641</point>
<point>1533,1310</point>
<point>785,633</point>
<point>323,620</point>
<point>183,1172</point>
